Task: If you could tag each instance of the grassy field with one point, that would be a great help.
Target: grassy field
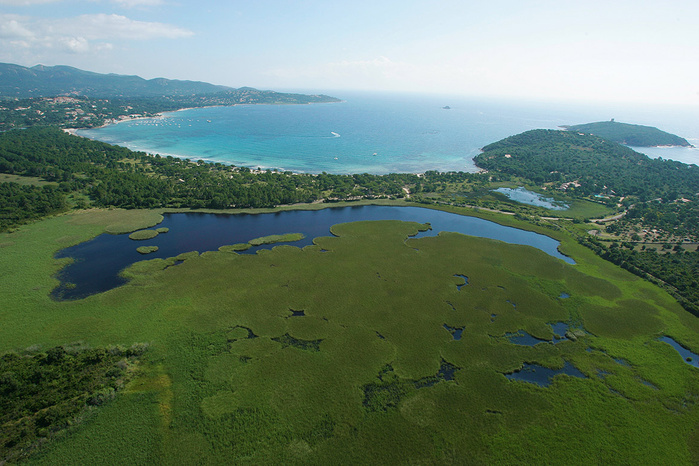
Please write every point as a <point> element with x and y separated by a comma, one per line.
<point>25,180</point>
<point>341,352</point>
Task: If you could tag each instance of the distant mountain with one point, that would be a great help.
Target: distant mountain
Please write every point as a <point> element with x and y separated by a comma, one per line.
<point>630,135</point>
<point>50,81</point>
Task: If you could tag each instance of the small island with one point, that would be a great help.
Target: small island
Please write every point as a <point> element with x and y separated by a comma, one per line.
<point>630,135</point>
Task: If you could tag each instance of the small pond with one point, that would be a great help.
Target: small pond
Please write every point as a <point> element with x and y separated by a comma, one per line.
<point>543,376</point>
<point>523,338</point>
<point>690,358</point>
<point>465,278</point>
<point>98,261</point>
<point>525,196</point>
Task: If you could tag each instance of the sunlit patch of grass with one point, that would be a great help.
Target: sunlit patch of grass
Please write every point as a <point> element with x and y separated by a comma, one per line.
<point>235,247</point>
<point>285,238</point>
<point>141,235</point>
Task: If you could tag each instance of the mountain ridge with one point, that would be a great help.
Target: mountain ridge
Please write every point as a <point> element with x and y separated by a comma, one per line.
<point>49,81</point>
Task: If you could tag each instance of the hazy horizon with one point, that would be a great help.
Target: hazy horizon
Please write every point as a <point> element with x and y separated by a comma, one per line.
<point>634,52</point>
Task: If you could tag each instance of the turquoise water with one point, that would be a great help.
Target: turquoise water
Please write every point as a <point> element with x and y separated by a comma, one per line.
<point>366,133</point>
<point>681,154</point>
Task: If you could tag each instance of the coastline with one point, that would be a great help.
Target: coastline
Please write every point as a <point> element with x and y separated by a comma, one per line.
<point>341,156</point>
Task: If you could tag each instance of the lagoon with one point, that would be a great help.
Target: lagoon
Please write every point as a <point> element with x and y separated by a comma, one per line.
<point>524,196</point>
<point>97,262</point>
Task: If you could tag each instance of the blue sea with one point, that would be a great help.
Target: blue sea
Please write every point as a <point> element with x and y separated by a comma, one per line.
<point>373,132</point>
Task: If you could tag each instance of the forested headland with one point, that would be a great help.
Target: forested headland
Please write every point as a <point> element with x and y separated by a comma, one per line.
<point>631,135</point>
<point>656,233</point>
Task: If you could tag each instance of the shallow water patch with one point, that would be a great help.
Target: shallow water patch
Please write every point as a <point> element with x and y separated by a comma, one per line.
<point>689,357</point>
<point>524,339</point>
<point>560,329</point>
<point>240,333</point>
<point>458,287</point>
<point>648,383</point>
<point>524,196</point>
<point>446,373</point>
<point>543,376</point>
<point>455,331</point>
<point>389,389</point>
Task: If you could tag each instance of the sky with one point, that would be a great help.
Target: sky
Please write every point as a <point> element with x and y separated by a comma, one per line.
<point>639,51</point>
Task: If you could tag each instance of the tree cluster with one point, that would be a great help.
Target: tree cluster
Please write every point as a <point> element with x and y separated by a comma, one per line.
<point>116,176</point>
<point>45,392</point>
<point>597,165</point>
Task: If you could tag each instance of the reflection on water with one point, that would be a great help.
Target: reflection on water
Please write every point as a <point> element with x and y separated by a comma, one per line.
<point>525,196</point>
<point>99,261</point>
<point>543,376</point>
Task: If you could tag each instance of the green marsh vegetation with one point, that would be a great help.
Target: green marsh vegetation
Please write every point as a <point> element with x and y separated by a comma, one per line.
<point>272,239</point>
<point>346,349</point>
<point>146,249</point>
<point>340,350</point>
<point>142,235</point>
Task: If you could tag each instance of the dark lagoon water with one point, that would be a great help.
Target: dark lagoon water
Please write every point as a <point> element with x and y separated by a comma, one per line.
<point>543,376</point>
<point>98,261</point>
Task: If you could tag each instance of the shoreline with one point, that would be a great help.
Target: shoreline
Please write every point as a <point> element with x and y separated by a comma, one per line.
<point>253,166</point>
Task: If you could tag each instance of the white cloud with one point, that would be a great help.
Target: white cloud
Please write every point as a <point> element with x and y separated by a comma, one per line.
<point>137,3</point>
<point>25,2</point>
<point>81,34</point>
<point>11,28</point>
<point>103,26</point>
<point>123,3</point>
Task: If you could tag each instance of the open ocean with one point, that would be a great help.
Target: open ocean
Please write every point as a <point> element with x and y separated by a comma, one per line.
<point>374,132</point>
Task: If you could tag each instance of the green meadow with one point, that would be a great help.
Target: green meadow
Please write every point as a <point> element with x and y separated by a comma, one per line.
<point>345,351</point>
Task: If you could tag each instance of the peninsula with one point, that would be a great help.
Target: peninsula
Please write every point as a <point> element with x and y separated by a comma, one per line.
<point>630,135</point>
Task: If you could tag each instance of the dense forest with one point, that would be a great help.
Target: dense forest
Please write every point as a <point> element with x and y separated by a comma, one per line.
<point>42,393</point>
<point>631,135</point>
<point>116,176</point>
<point>24,202</point>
